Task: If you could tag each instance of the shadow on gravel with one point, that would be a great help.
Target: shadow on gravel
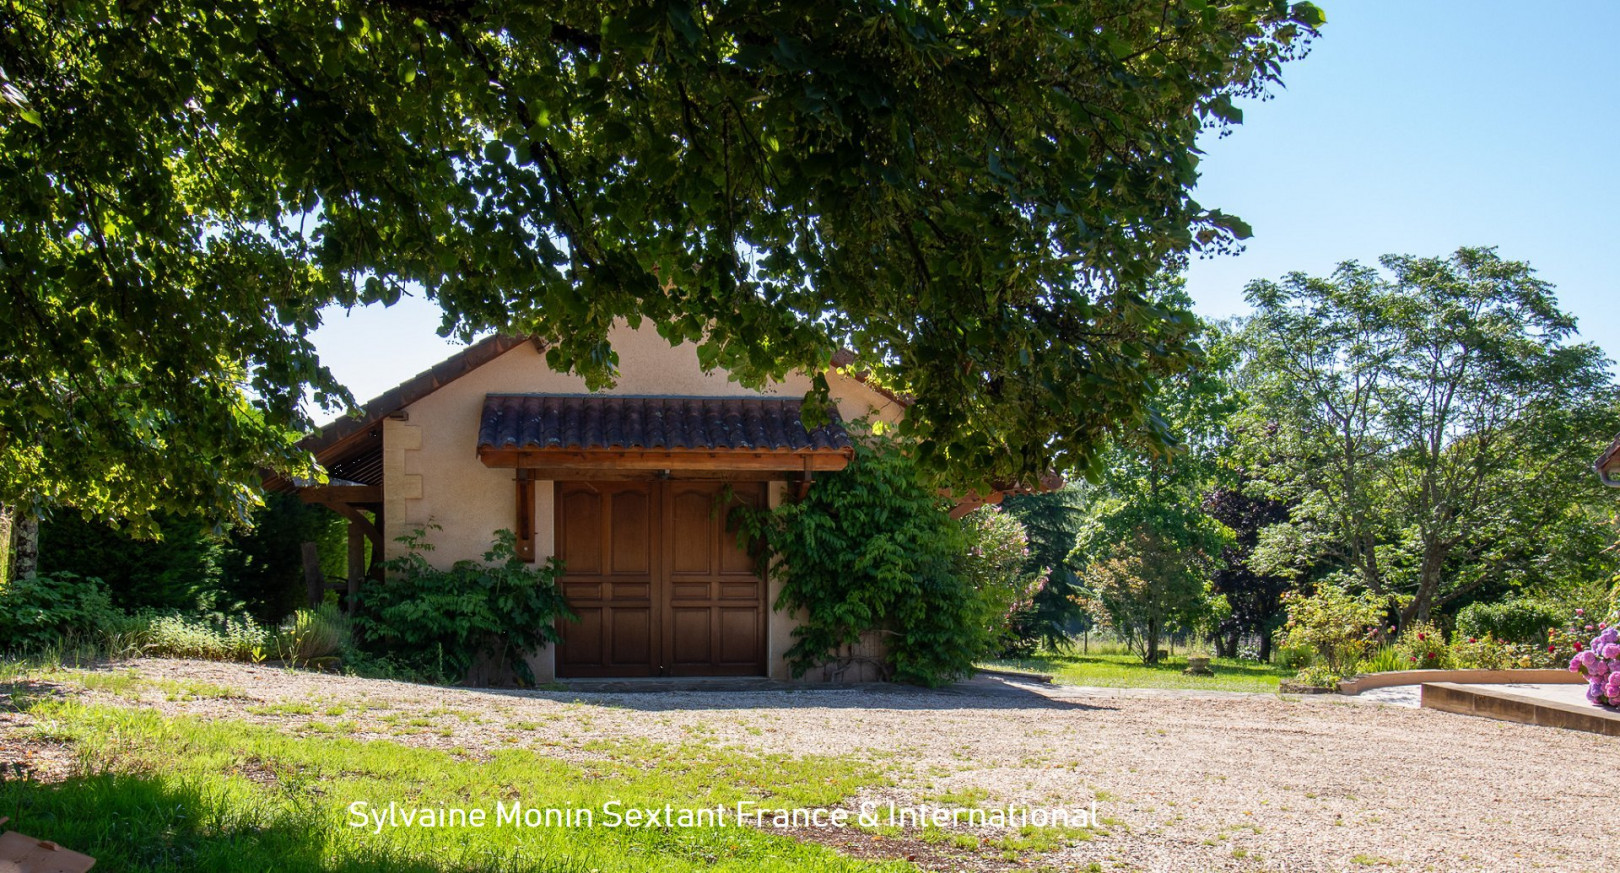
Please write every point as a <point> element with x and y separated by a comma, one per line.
<point>663,695</point>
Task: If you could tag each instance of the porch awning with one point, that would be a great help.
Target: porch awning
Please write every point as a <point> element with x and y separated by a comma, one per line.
<point>630,434</point>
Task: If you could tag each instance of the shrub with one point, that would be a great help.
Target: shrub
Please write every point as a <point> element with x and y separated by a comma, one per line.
<point>1423,647</point>
<point>872,547</point>
<point>1510,621</point>
<point>1293,657</point>
<point>440,623</point>
<point>995,563</point>
<point>38,612</point>
<point>1338,628</point>
<point>1483,653</point>
<point>313,634</point>
<point>1385,660</point>
<point>1599,664</point>
<point>208,637</point>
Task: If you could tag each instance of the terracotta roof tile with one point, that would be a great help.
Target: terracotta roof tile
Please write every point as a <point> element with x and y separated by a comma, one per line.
<point>573,421</point>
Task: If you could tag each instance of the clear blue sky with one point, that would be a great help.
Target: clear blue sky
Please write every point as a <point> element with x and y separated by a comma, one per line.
<point>1417,127</point>
<point>1412,127</point>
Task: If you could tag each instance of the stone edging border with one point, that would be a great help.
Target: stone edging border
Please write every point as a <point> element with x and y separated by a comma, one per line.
<point>1506,706</point>
<point>1369,681</point>
<point>1042,678</point>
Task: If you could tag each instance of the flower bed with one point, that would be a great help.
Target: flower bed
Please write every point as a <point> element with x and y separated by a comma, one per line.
<point>1599,663</point>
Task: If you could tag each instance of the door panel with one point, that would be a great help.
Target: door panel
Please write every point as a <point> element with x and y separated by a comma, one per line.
<point>606,537</point>
<point>657,578</point>
<point>715,597</point>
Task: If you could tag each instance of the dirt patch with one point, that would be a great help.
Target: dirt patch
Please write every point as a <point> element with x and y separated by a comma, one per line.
<point>23,755</point>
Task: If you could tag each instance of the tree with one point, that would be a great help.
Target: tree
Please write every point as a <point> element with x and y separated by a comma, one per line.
<point>1255,599</point>
<point>1052,521</point>
<point>1148,547</point>
<point>1429,425</point>
<point>968,196</point>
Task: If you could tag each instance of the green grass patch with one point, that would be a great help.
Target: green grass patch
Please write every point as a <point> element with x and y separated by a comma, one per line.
<point>183,794</point>
<point>1122,670</point>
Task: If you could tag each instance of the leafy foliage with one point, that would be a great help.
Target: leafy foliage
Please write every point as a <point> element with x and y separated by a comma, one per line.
<point>1424,647</point>
<point>1254,599</point>
<point>209,637</point>
<point>184,187</point>
<point>313,635</point>
<point>1147,547</point>
<point>1337,627</point>
<point>190,567</point>
<point>996,565</point>
<point>1518,620</point>
<point>1430,428</point>
<point>39,611</point>
<point>444,622</point>
<point>873,548</point>
<point>1052,522</point>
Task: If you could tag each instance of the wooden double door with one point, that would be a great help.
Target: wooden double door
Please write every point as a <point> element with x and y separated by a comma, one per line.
<point>654,573</point>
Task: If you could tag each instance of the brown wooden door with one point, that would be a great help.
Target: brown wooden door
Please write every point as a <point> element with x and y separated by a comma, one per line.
<point>660,586</point>
<point>606,536</point>
<point>714,601</point>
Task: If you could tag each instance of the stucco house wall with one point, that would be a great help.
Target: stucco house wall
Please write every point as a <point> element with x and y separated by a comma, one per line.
<point>432,473</point>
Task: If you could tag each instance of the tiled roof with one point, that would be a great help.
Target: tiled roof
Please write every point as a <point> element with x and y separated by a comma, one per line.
<point>1607,461</point>
<point>572,421</point>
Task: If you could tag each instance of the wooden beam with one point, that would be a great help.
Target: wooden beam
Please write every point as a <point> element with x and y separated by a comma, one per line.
<point>626,460</point>
<point>341,494</point>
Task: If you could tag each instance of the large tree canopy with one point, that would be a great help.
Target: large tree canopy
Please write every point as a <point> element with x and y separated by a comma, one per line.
<point>1430,427</point>
<point>967,195</point>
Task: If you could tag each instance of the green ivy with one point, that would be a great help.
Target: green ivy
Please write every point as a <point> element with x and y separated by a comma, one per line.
<point>441,623</point>
<point>873,548</point>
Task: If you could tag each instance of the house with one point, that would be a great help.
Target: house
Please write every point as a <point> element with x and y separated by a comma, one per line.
<point>621,485</point>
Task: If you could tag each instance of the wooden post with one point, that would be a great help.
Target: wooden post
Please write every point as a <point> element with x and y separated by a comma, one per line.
<point>357,564</point>
<point>524,528</point>
<point>379,548</point>
<point>314,579</point>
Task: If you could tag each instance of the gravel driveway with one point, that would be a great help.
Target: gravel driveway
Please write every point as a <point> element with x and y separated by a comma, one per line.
<point>1184,780</point>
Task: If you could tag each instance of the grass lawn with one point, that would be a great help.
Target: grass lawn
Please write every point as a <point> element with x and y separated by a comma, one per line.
<point>1110,668</point>
<point>183,794</point>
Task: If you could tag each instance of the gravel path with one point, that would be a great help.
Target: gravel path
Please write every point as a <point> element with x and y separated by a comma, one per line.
<point>1183,780</point>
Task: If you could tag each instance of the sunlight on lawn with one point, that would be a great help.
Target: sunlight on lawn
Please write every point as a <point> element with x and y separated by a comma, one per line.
<point>161,794</point>
<point>1109,668</point>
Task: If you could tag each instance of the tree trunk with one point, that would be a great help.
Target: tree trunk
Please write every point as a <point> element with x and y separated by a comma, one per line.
<point>1265,647</point>
<point>25,557</point>
<point>5,543</point>
<point>1434,558</point>
<point>1150,643</point>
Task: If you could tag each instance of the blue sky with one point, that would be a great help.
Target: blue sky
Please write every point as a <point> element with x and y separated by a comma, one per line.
<point>1412,127</point>
<point>1417,127</point>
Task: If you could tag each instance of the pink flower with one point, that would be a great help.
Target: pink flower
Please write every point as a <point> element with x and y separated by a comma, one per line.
<point>1431,655</point>
<point>1580,612</point>
<point>1423,636</point>
<point>1472,640</point>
